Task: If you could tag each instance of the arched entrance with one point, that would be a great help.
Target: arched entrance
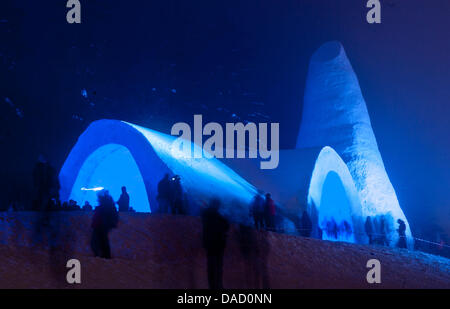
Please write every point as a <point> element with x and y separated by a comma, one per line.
<point>110,166</point>
<point>333,202</point>
<point>335,215</point>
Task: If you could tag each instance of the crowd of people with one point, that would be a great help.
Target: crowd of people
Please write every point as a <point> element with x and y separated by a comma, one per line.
<point>333,230</point>
<point>46,192</point>
<point>376,231</point>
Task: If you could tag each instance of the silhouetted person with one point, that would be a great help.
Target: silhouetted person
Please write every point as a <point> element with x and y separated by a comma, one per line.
<point>257,211</point>
<point>176,201</point>
<point>124,200</point>
<point>73,205</point>
<point>383,238</point>
<point>306,225</point>
<point>215,228</point>
<point>334,228</point>
<point>269,212</point>
<point>369,229</point>
<point>46,184</point>
<point>319,232</point>
<point>254,249</point>
<point>164,194</point>
<point>65,206</point>
<point>87,206</point>
<point>105,218</point>
<point>401,233</point>
<point>347,229</point>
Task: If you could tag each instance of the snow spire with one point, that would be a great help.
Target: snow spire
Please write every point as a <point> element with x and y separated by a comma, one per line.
<point>335,114</point>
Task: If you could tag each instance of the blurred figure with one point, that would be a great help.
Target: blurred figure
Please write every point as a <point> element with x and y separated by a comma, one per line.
<point>402,234</point>
<point>163,196</point>
<point>334,229</point>
<point>124,200</point>
<point>46,184</point>
<point>87,206</point>
<point>65,206</point>
<point>369,229</point>
<point>270,212</point>
<point>176,201</point>
<point>306,225</point>
<point>105,218</point>
<point>215,228</point>
<point>347,229</point>
<point>257,211</point>
<point>254,249</point>
<point>383,238</point>
<point>73,205</point>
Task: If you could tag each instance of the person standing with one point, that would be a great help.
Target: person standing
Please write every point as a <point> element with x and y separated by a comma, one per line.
<point>402,234</point>
<point>257,211</point>
<point>215,228</point>
<point>124,200</point>
<point>104,220</point>
<point>369,229</point>
<point>164,194</point>
<point>176,203</point>
<point>270,212</point>
<point>383,238</point>
<point>46,184</point>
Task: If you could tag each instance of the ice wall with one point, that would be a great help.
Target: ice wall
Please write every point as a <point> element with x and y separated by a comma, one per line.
<point>335,114</point>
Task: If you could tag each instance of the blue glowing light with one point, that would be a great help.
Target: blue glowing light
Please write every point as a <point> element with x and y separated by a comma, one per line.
<point>92,189</point>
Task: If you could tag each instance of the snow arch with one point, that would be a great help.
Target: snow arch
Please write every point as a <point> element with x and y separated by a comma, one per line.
<point>109,143</point>
<point>332,197</point>
<point>140,157</point>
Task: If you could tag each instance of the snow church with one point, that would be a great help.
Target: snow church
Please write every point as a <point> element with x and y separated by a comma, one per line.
<point>335,172</point>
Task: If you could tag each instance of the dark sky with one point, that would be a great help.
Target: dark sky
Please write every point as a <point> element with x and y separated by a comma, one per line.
<point>158,62</point>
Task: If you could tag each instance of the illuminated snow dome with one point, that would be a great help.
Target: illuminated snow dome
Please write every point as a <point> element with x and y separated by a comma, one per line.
<point>111,154</point>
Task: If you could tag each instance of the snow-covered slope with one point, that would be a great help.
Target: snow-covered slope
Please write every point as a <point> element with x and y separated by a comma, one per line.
<point>156,251</point>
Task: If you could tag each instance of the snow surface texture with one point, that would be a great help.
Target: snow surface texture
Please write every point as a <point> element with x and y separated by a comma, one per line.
<point>335,115</point>
<point>112,153</point>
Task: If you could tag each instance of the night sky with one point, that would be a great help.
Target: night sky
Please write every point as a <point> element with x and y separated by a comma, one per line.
<point>154,63</point>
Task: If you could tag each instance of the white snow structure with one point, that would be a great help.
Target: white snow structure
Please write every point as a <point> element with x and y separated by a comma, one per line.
<point>335,115</point>
<point>111,154</point>
<point>335,174</point>
<point>315,180</point>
